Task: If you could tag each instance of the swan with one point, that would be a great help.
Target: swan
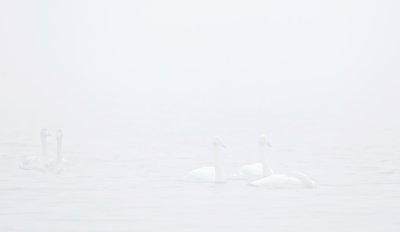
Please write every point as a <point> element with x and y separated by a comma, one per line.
<point>213,174</point>
<point>56,164</point>
<point>257,170</point>
<point>42,163</point>
<point>272,180</point>
<point>59,136</point>
<point>36,162</point>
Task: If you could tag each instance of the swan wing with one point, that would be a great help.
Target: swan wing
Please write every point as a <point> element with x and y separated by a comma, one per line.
<point>306,180</point>
<point>31,163</point>
<point>252,170</point>
<point>278,181</point>
<point>204,174</point>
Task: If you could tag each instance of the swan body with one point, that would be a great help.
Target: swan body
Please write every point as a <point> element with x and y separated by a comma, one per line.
<point>277,181</point>
<point>260,169</point>
<point>271,180</point>
<point>210,174</point>
<point>204,174</point>
<point>251,171</point>
<point>31,163</point>
<point>55,167</point>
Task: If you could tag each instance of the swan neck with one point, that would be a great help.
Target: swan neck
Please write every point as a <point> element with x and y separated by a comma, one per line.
<point>59,148</point>
<point>44,147</point>
<point>219,174</point>
<point>264,161</point>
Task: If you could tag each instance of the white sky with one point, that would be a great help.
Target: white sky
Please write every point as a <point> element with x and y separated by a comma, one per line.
<point>190,65</point>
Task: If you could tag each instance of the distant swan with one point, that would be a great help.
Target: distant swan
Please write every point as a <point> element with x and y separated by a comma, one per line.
<point>257,170</point>
<point>213,174</point>
<point>57,164</point>
<point>272,180</point>
<point>41,162</point>
<point>37,162</point>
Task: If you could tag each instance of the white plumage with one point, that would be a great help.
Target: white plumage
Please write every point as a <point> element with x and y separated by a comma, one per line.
<point>42,162</point>
<point>271,180</point>
<point>294,180</point>
<point>211,174</point>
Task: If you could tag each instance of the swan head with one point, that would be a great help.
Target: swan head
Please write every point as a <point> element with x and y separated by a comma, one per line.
<point>264,141</point>
<point>44,133</point>
<point>59,134</point>
<point>218,142</point>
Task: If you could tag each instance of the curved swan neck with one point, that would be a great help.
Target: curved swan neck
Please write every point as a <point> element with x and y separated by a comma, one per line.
<point>44,146</point>
<point>264,161</point>
<point>59,146</point>
<point>219,173</point>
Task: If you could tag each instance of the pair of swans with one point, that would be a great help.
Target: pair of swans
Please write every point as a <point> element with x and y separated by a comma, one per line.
<point>42,162</point>
<point>261,174</point>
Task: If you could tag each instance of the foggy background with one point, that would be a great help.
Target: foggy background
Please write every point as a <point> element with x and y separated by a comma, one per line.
<point>140,88</point>
<point>326,72</point>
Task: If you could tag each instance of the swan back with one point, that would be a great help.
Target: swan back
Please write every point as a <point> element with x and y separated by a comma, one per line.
<point>204,174</point>
<point>295,180</point>
<point>306,181</point>
<point>252,171</point>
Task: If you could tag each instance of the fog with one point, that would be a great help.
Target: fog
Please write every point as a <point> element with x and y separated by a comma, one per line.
<point>184,65</point>
<point>169,74</point>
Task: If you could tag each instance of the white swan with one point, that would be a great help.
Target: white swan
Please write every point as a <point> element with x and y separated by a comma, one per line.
<point>272,180</point>
<point>56,164</point>
<point>37,162</point>
<point>257,170</point>
<point>42,163</point>
<point>59,136</point>
<point>213,174</point>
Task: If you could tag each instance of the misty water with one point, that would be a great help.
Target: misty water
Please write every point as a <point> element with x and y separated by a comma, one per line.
<point>140,89</point>
<point>129,186</point>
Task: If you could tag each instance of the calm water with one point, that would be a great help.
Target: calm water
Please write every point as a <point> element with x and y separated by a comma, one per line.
<point>131,189</point>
